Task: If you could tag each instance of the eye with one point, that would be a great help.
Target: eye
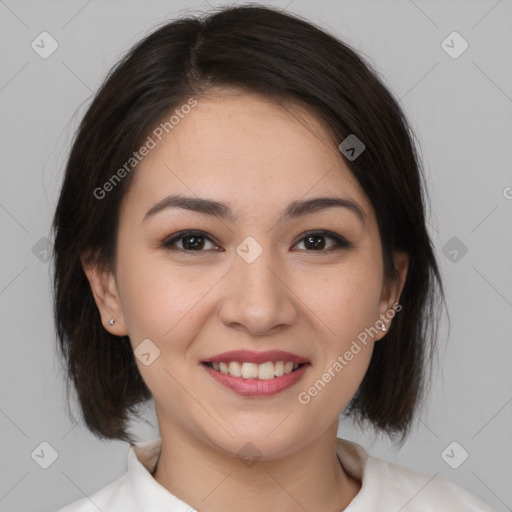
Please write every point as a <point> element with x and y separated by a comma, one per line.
<point>197,241</point>
<point>191,241</point>
<point>314,241</point>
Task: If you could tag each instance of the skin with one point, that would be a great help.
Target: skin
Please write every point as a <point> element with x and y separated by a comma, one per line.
<point>251,153</point>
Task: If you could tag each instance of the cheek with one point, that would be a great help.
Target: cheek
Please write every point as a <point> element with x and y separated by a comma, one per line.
<point>347,301</point>
<point>160,300</point>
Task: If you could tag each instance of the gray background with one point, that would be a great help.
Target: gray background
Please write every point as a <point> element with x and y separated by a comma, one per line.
<point>460,109</point>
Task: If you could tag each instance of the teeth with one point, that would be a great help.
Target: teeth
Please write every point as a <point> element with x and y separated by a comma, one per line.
<point>249,370</point>
<point>264,371</point>
<point>235,369</point>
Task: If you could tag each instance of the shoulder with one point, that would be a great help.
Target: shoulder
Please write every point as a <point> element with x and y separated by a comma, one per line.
<point>115,496</point>
<point>415,491</point>
<point>390,487</point>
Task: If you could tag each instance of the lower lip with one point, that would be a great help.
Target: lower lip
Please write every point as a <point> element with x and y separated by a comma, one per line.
<point>257,387</point>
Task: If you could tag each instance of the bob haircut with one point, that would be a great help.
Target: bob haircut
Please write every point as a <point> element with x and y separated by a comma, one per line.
<point>261,50</point>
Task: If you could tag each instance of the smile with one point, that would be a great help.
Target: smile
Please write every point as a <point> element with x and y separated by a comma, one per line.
<point>256,380</point>
<point>266,371</point>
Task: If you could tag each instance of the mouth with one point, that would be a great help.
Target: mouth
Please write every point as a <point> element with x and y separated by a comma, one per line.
<point>247,370</point>
<point>260,377</point>
<point>256,374</point>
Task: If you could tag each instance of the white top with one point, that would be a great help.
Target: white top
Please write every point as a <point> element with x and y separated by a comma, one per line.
<point>386,487</point>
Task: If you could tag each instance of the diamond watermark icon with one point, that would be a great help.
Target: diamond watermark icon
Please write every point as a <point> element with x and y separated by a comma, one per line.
<point>249,250</point>
<point>454,455</point>
<point>41,250</point>
<point>454,45</point>
<point>44,45</point>
<point>146,352</point>
<point>249,454</point>
<point>352,147</point>
<point>44,455</point>
<point>454,249</point>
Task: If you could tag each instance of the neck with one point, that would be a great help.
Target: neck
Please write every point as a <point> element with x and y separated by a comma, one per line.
<point>210,480</point>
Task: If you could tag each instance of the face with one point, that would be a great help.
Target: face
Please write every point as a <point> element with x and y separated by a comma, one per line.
<point>249,276</point>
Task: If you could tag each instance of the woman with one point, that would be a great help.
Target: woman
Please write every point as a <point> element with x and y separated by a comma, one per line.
<point>241,236</point>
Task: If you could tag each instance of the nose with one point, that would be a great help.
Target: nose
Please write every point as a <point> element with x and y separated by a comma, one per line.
<point>257,297</point>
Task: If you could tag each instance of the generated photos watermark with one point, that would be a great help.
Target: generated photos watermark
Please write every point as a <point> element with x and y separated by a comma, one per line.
<point>151,142</point>
<point>304,397</point>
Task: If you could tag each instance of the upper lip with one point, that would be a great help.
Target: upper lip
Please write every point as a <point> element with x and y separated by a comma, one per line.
<point>256,357</point>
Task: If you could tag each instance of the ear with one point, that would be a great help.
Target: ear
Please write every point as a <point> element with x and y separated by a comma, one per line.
<point>104,289</point>
<point>391,292</point>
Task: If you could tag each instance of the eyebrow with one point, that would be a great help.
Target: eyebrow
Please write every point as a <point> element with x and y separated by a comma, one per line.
<point>295,209</point>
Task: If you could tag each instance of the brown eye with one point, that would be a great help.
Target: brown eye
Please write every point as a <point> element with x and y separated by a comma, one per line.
<point>191,241</point>
<point>315,242</point>
<point>197,241</point>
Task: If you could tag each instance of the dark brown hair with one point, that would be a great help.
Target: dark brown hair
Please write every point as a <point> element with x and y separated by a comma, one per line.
<point>278,55</point>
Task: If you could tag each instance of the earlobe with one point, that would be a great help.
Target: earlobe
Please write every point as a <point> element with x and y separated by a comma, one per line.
<point>104,289</point>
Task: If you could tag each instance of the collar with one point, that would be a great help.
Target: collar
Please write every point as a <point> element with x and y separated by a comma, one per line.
<point>143,457</point>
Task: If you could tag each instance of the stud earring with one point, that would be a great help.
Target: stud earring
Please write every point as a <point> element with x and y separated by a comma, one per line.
<point>111,321</point>
<point>383,328</point>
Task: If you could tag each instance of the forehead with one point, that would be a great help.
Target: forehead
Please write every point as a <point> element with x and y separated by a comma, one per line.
<point>244,149</point>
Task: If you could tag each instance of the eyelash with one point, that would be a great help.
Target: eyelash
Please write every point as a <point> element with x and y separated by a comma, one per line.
<point>340,242</point>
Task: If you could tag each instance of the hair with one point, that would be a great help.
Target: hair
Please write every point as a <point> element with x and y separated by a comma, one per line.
<point>264,51</point>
